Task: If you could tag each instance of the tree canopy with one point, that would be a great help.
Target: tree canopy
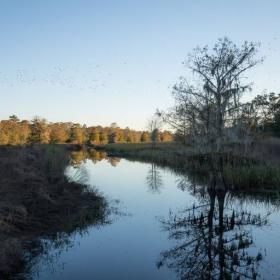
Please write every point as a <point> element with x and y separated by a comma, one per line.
<point>40,131</point>
<point>204,110</point>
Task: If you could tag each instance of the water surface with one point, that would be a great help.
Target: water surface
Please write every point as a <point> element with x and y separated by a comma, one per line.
<point>163,231</point>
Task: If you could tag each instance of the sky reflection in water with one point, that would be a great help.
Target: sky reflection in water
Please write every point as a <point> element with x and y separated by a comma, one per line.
<point>150,240</point>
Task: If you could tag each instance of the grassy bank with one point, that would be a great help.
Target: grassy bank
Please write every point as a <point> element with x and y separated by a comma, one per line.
<point>256,168</point>
<point>144,146</point>
<point>37,201</point>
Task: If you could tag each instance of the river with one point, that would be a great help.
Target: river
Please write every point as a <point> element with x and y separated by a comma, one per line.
<point>166,226</point>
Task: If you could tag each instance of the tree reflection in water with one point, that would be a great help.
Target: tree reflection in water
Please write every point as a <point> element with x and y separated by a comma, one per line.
<point>96,211</point>
<point>213,238</point>
<point>79,157</point>
<point>154,179</point>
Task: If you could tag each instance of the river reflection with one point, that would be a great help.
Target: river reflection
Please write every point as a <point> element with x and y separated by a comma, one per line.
<point>214,238</point>
<point>154,179</point>
<point>79,157</point>
<point>180,227</point>
<point>48,248</point>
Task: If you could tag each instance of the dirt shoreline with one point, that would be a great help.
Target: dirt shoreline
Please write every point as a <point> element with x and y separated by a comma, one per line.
<point>37,200</point>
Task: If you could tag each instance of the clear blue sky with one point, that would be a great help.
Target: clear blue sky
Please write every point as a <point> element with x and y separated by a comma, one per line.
<point>98,62</point>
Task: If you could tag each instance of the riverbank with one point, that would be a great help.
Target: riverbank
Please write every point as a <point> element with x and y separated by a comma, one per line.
<point>38,201</point>
<point>258,167</point>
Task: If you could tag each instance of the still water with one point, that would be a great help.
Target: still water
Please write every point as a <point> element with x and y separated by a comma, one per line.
<point>167,226</point>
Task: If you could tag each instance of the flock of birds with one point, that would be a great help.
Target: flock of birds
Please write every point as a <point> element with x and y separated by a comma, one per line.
<point>59,76</point>
<point>73,78</point>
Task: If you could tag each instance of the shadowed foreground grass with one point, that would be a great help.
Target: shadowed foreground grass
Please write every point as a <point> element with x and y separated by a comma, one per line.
<point>37,201</point>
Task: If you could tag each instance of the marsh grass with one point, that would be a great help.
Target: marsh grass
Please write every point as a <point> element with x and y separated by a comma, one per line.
<point>130,147</point>
<point>54,160</point>
<point>252,176</point>
<point>251,170</point>
<point>38,201</point>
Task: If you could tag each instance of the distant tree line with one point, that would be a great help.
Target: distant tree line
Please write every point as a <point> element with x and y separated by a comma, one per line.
<point>19,132</point>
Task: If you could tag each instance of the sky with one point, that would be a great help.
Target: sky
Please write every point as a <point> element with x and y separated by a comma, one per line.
<point>99,62</point>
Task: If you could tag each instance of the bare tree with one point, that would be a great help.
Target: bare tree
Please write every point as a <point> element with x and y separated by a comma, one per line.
<point>206,110</point>
<point>154,125</point>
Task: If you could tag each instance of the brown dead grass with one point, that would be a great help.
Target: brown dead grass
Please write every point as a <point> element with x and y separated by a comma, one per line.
<point>37,200</point>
